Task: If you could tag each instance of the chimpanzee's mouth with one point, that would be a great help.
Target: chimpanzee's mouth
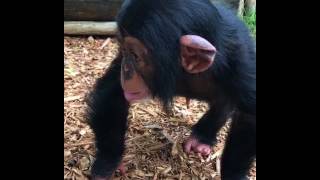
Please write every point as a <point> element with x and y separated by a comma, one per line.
<point>134,96</point>
<point>135,93</point>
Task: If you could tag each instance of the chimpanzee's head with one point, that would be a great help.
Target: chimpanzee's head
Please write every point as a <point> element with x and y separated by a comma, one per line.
<point>157,46</point>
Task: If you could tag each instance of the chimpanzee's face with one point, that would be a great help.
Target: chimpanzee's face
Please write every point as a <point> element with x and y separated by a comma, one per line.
<point>197,55</point>
<point>135,65</point>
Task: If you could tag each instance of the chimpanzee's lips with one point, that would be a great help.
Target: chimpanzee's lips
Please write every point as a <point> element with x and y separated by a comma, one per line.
<point>134,96</point>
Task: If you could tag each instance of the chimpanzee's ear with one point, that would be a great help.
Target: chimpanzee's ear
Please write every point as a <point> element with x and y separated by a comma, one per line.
<point>197,54</point>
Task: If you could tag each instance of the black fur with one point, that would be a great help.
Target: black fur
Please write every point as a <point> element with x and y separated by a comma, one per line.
<point>229,85</point>
<point>108,111</point>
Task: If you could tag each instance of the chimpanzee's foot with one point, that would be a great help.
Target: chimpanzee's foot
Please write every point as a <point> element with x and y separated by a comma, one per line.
<point>193,144</point>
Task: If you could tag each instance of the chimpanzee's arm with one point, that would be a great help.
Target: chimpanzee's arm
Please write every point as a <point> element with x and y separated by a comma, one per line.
<point>207,127</point>
<point>108,112</point>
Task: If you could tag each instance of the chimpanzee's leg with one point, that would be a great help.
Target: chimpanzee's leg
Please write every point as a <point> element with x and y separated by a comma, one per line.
<point>205,131</point>
<point>108,112</point>
<point>240,148</point>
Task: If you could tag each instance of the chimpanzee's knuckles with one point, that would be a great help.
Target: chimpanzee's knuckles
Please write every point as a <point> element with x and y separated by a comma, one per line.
<point>102,169</point>
<point>101,178</point>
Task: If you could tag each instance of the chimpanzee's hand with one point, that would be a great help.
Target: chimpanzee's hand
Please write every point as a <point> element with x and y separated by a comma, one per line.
<point>100,173</point>
<point>103,169</point>
<point>101,178</point>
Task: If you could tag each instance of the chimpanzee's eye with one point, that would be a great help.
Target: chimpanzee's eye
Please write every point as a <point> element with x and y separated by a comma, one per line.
<point>122,51</point>
<point>136,57</point>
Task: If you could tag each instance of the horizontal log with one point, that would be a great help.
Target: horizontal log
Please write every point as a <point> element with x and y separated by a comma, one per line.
<point>91,10</point>
<point>106,10</point>
<point>90,28</point>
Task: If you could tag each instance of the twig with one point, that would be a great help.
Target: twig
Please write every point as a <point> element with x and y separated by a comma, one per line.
<point>137,137</point>
<point>218,166</point>
<point>147,111</point>
<point>106,42</point>
<point>71,98</point>
<point>165,134</point>
<point>156,147</point>
<point>78,144</point>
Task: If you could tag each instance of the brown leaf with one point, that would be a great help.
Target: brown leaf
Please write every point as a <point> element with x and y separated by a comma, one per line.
<point>90,39</point>
<point>164,172</point>
<point>174,149</point>
<point>139,173</point>
<point>84,163</point>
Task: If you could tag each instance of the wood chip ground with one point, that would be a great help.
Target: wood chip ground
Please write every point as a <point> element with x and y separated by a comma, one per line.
<point>153,141</point>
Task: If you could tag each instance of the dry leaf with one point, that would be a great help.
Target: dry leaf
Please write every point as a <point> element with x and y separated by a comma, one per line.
<point>84,163</point>
<point>86,147</point>
<point>164,172</point>
<point>181,175</point>
<point>149,175</point>
<point>174,149</point>
<point>153,126</point>
<point>67,153</point>
<point>82,132</point>
<point>85,51</point>
<point>140,173</point>
<point>90,39</point>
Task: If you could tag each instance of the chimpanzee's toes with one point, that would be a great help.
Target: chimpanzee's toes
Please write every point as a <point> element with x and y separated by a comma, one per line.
<point>192,144</point>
